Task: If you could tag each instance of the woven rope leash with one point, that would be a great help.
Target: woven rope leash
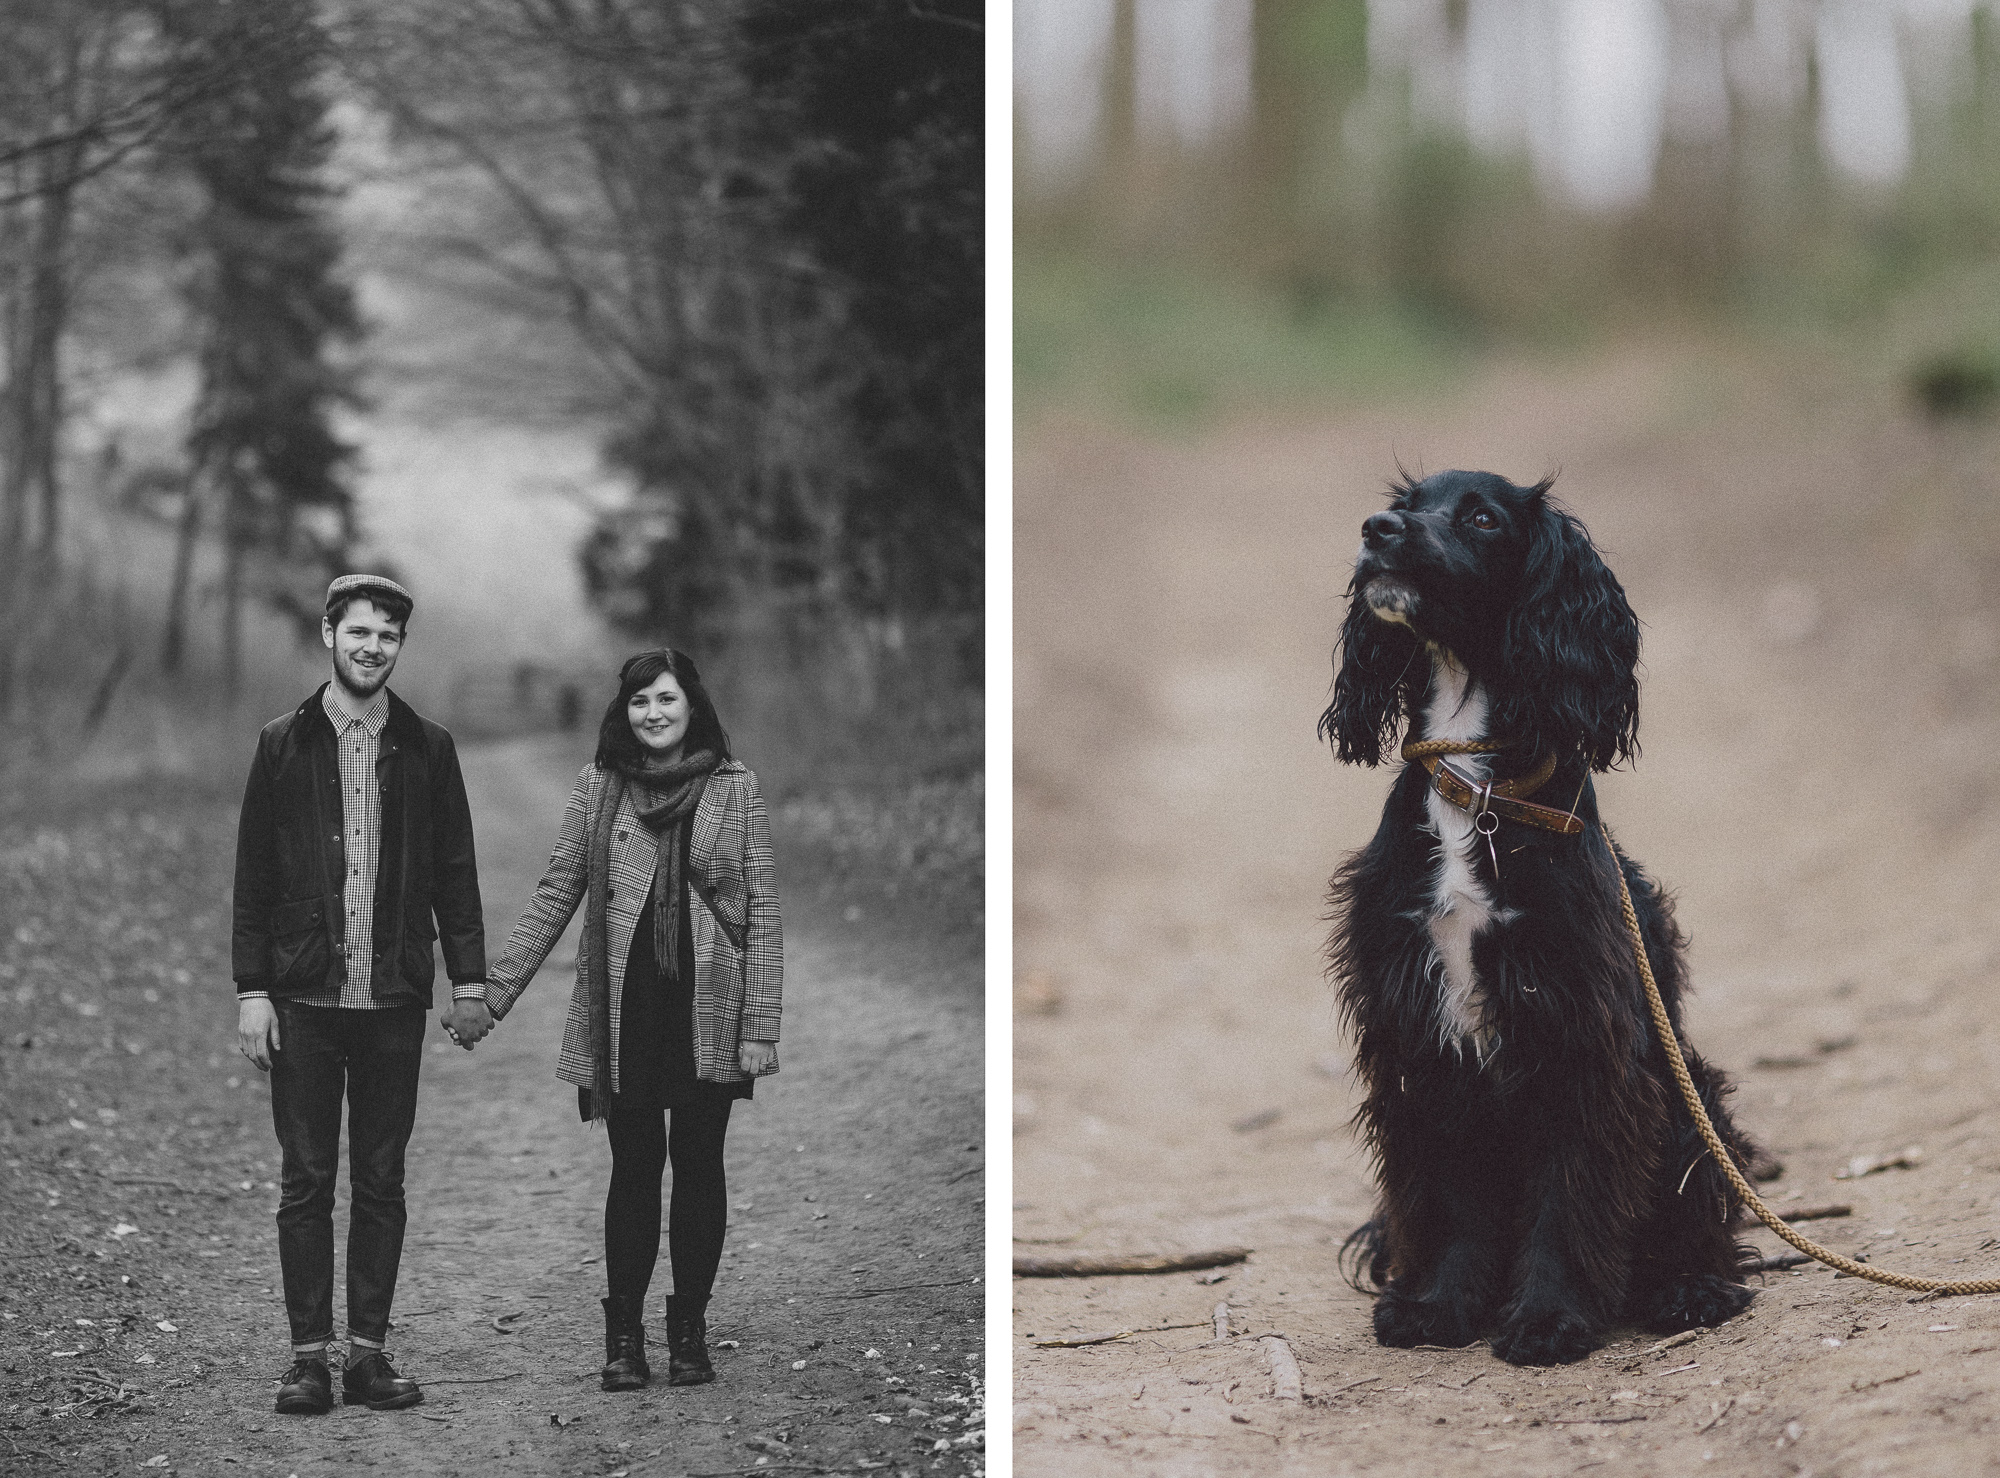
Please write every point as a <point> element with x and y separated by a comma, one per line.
<point>1770,1218</point>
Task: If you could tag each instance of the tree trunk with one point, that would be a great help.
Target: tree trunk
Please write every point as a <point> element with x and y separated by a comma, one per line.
<point>173,640</point>
<point>236,533</point>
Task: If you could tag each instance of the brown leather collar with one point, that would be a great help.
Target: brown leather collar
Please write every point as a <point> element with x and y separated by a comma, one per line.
<point>1500,798</point>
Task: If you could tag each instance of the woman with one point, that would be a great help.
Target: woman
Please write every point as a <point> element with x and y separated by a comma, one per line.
<point>678,981</point>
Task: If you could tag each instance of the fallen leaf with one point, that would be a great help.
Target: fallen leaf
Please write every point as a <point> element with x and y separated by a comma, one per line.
<point>562,1421</point>
<point>729,1344</point>
<point>155,1462</point>
<point>884,1420</point>
<point>798,1365</point>
<point>505,1323</point>
<point>123,1229</point>
<point>1941,1329</point>
<point>63,1354</point>
<point>871,1354</point>
<point>167,1325</point>
<point>76,1123</point>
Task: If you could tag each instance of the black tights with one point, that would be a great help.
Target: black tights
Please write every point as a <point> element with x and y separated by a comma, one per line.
<point>641,1147</point>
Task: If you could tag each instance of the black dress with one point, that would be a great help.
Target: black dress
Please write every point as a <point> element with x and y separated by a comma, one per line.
<point>656,1054</point>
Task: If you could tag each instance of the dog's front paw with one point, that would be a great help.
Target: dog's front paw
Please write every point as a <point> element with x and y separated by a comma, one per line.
<point>1404,1322</point>
<point>1698,1302</point>
<point>1552,1337</point>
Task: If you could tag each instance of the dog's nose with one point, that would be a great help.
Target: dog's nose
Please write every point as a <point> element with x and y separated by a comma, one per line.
<point>1380,530</point>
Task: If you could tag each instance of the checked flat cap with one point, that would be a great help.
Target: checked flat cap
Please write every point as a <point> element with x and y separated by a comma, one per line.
<point>349,583</point>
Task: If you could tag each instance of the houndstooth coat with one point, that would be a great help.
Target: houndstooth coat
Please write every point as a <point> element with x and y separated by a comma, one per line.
<point>739,961</point>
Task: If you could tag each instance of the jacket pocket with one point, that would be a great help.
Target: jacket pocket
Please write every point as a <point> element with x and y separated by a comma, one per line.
<point>728,898</point>
<point>301,954</point>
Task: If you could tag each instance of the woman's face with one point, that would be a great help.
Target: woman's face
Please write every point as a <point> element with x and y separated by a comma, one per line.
<point>658,713</point>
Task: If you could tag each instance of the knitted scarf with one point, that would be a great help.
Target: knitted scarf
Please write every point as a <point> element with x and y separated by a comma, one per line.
<point>666,798</point>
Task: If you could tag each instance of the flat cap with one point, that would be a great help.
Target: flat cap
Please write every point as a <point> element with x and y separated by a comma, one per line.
<point>348,584</point>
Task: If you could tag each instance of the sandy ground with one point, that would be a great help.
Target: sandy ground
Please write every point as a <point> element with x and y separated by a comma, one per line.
<point>139,1327</point>
<point>1820,578</point>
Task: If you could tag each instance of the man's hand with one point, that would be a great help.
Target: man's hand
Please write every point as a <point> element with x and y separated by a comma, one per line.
<point>257,1031</point>
<point>467,1022</point>
<point>756,1057</point>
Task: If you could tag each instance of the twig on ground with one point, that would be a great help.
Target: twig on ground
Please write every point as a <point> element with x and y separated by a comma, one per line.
<point>1782,1261</point>
<point>1107,1337</point>
<point>1087,1265</point>
<point>473,1380</point>
<point>1221,1320</point>
<point>1887,1380</point>
<point>1819,1213</point>
<point>905,1288</point>
<point>1673,1342</point>
<point>1352,1384</point>
<point>1588,1421</point>
<point>1285,1383</point>
<point>968,1170</point>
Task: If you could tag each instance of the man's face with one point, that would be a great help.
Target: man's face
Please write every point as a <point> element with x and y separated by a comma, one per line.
<point>364,644</point>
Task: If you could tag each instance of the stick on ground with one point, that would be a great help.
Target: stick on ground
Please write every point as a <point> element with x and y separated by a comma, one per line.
<point>1087,1265</point>
<point>1285,1383</point>
<point>1222,1320</point>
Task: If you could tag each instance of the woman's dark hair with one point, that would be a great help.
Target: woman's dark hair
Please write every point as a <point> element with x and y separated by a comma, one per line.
<point>617,744</point>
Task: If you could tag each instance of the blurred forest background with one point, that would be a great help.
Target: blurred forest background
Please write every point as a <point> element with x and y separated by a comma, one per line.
<point>602,325</point>
<point>1235,201</point>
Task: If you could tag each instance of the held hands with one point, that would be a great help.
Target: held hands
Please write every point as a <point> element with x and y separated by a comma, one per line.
<point>257,1031</point>
<point>466,1022</point>
<point>756,1057</point>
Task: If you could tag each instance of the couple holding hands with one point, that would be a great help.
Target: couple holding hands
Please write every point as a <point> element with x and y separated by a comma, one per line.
<point>354,853</point>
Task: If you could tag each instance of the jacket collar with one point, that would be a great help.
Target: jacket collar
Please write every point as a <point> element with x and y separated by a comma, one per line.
<point>404,726</point>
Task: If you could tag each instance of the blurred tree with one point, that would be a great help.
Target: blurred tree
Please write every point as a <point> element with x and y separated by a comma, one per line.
<point>269,305</point>
<point>887,186</point>
<point>782,367</point>
<point>72,102</point>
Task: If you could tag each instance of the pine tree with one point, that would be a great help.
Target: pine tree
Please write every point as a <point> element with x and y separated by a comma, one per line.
<point>265,288</point>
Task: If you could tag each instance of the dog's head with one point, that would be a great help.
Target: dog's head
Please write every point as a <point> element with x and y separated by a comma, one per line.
<point>1510,585</point>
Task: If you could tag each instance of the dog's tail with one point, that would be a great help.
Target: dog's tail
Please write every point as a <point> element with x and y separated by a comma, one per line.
<point>1364,1257</point>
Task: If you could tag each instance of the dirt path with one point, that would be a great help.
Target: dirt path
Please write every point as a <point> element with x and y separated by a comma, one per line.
<point>1818,579</point>
<point>846,1322</point>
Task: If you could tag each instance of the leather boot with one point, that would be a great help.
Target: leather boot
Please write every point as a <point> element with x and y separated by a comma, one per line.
<point>624,1345</point>
<point>687,1341</point>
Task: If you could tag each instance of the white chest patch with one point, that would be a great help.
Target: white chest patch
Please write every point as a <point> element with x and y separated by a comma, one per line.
<point>1461,909</point>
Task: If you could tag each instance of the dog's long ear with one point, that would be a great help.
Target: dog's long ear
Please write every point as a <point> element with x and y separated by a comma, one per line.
<point>1370,668</point>
<point>1568,680</point>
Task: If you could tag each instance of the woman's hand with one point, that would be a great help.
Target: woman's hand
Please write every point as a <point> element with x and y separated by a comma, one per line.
<point>756,1057</point>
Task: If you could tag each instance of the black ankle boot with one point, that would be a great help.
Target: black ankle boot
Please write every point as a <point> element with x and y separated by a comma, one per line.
<point>687,1341</point>
<point>624,1345</point>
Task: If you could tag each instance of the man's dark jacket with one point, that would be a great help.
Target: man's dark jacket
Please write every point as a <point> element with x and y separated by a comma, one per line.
<point>291,860</point>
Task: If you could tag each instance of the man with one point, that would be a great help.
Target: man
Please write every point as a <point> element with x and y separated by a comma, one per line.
<point>353,852</point>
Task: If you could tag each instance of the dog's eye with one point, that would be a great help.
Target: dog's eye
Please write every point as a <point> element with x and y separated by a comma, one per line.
<point>1485,519</point>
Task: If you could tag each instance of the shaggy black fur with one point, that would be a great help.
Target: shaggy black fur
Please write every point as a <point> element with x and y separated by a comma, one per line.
<point>1543,1193</point>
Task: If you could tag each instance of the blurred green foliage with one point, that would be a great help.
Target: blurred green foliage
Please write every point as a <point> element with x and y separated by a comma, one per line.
<point>1339,247</point>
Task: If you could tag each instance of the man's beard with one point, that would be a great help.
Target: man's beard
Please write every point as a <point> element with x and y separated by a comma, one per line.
<point>363,682</point>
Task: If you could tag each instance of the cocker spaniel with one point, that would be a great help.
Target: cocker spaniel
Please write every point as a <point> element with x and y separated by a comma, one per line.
<point>1541,1179</point>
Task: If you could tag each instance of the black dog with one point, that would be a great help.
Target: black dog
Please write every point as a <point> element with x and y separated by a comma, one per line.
<point>1541,1178</point>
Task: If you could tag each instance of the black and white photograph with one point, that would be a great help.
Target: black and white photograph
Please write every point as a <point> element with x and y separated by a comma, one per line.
<point>493,513</point>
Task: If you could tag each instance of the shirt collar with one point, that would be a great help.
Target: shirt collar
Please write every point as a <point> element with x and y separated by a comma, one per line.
<point>372,721</point>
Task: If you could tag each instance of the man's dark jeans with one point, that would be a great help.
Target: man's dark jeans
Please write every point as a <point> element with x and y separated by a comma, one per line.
<point>372,1057</point>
